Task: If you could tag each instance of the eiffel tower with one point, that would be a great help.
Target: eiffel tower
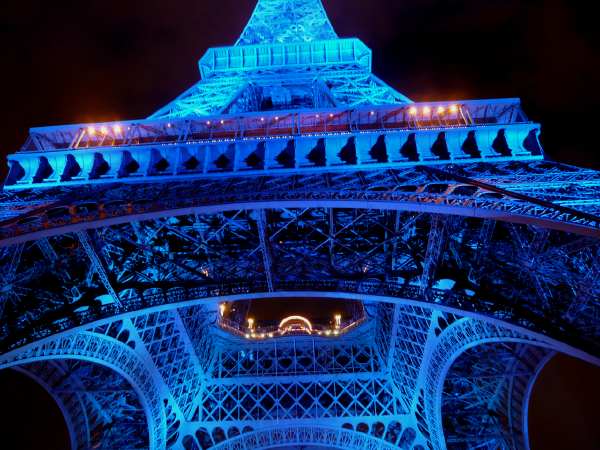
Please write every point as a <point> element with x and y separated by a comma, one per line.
<point>143,262</point>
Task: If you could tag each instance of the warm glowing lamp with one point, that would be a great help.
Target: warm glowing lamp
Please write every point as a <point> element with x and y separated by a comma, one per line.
<point>412,111</point>
<point>453,109</point>
<point>91,131</point>
<point>222,308</point>
<point>304,320</point>
<point>426,110</point>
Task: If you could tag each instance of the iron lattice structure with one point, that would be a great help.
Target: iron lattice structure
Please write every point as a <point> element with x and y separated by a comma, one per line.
<point>290,170</point>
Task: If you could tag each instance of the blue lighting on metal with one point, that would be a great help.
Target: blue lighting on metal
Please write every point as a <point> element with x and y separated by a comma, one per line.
<point>291,171</point>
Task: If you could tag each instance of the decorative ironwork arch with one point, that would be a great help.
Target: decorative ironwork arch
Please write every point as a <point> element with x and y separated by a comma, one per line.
<point>337,438</point>
<point>459,337</point>
<point>98,405</point>
<point>107,352</point>
<point>421,193</point>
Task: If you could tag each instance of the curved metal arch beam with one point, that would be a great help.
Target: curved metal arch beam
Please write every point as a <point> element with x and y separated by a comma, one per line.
<point>87,347</point>
<point>462,335</point>
<point>402,206</point>
<point>338,438</point>
<point>527,334</point>
<point>61,406</point>
<point>532,380</point>
<point>516,400</point>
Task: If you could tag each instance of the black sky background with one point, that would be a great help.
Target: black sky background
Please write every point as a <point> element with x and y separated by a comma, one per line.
<point>68,61</point>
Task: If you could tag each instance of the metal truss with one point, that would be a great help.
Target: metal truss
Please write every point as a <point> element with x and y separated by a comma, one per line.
<point>370,251</point>
<point>298,398</point>
<point>283,21</point>
<point>502,375</point>
<point>405,340</point>
<point>305,435</point>
<point>112,355</point>
<point>479,190</point>
<point>290,170</point>
<point>166,340</point>
<point>101,408</point>
<point>202,99</point>
<point>297,357</point>
<point>486,393</point>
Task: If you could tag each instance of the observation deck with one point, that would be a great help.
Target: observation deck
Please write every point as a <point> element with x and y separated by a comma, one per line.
<point>276,142</point>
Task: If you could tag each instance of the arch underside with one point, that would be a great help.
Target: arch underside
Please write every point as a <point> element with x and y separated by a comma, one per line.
<point>486,395</point>
<point>101,408</point>
<point>156,275</point>
<point>105,388</point>
<point>540,279</point>
<point>363,391</point>
<point>542,193</point>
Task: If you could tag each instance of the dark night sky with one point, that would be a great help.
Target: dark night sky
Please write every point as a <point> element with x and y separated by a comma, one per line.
<point>66,61</point>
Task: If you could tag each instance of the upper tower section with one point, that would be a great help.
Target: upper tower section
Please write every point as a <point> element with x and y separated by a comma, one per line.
<point>287,21</point>
<point>290,95</point>
<point>287,58</point>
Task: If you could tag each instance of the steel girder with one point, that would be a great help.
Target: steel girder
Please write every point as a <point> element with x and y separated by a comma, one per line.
<point>499,386</point>
<point>551,195</point>
<point>486,394</point>
<point>79,354</point>
<point>101,409</point>
<point>385,253</point>
<point>283,21</point>
<point>253,392</point>
<point>475,258</point>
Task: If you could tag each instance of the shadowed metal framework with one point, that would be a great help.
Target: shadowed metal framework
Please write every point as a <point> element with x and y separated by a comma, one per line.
<point>291,171</point>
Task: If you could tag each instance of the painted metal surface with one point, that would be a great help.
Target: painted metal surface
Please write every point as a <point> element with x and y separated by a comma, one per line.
<point>290,170</point>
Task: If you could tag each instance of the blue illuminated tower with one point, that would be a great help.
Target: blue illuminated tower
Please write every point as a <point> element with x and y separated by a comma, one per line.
<point>129,252</point>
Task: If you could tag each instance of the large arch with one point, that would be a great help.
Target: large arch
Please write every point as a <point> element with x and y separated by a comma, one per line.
<point>98,405</point>
<point>458,339</point>
<point>469,265</point>
<point>98,350</point>
<point>71,409</point>
<point>486,395</point>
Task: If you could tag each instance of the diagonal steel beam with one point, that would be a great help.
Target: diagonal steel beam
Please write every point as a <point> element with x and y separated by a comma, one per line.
<point>98,266</point>
<point>435,246</point>
<point>264,246</point>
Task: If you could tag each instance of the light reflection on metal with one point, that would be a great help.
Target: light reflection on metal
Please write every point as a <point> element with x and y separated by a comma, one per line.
<point>290,169</point>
